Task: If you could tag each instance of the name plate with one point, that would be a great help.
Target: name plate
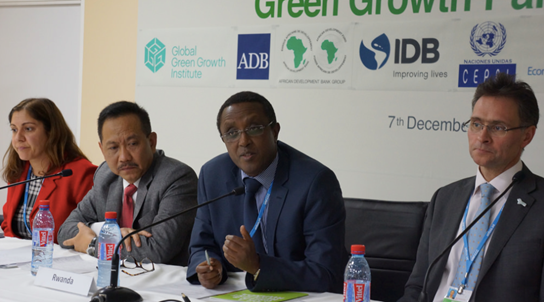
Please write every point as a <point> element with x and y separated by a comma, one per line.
<point>65,281</point>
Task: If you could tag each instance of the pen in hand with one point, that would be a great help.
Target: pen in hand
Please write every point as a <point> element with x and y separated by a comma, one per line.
<point>207,257</point>
<point>185,298</point>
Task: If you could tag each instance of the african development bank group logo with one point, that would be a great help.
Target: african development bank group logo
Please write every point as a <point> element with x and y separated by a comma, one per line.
<point>331,55</point>
<point>296,50</point>
<point>487,38</point>
<point>155,55</point>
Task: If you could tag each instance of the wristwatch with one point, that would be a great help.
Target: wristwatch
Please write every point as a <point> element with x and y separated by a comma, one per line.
<point>91,249</point>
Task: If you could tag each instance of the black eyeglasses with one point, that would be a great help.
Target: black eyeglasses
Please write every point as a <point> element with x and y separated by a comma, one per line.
<point>234,135</point>
<point>495,129</point>
<point>130,263</point>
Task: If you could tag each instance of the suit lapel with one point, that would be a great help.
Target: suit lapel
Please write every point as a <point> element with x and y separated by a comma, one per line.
<point>143,186</point>
<point>114,201</point>
<point>277,199</point>
<point>512,215</point>
<point>48,186</point>
<point>452,217</point>
<point>18,192</point>
<point>233,182</point>
<point>142,193</point>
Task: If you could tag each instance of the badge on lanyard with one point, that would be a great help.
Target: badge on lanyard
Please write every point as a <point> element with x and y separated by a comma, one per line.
<point>453,295</point>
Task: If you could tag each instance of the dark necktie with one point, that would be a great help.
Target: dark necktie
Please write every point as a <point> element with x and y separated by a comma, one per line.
<point>251,212</point>
<point>128,206</point>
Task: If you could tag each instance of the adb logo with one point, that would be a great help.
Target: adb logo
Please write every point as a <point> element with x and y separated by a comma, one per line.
<point>487,38</point>
<point>155,55</point>
<point>368,57</point>
<point>253,59</point>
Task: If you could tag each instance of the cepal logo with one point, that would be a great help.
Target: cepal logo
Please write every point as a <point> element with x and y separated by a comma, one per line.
<point>368,57</point>
<point>253,59</point>
<point>488,38</point>
<point>155,55</point>
<point>407,51</point>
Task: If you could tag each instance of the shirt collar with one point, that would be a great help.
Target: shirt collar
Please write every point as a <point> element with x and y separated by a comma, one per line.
<point>136,183</point>
<point>267,176</point>
<point>500,182</point>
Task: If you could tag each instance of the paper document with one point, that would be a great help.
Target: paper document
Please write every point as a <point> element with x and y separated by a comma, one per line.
<point>235,282</point>
<point>16,255</point>
<point>74,264</point>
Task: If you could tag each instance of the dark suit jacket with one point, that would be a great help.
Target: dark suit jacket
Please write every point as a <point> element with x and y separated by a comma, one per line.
<point>512,268</point>
<point>305,224</point>
<point>63,193</point>
<point>166,188</point>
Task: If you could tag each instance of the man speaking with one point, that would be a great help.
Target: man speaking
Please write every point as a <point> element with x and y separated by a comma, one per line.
<point>287,230</point>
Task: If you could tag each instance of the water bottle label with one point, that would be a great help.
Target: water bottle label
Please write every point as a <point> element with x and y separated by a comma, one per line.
<point>43,238</point>
<point>354,292</point>
<point>106,251</point>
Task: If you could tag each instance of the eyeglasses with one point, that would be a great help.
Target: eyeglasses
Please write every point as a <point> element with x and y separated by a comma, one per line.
<point>493,129</point>
<point>146,264</point>
<point>235,135</point>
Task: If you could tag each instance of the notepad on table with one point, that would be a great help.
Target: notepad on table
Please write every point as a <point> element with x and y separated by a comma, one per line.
<point>249,296</point>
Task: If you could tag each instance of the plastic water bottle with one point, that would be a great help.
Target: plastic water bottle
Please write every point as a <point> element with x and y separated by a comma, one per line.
<point>357,276</point>
<point>42,238</point>
<point>110,235</point>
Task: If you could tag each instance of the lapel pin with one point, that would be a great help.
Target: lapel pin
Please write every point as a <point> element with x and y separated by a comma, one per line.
<point>521,202</point>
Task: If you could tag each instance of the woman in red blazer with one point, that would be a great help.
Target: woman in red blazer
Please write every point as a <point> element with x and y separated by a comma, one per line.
<point>42,144</point>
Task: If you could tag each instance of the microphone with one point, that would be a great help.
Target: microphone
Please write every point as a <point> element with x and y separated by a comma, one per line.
<point>112,293</point>
<point>516,178</point>
<point>63,173</point>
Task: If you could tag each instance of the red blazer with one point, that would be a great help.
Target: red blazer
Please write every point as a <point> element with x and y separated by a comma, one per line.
<point>63,193</point>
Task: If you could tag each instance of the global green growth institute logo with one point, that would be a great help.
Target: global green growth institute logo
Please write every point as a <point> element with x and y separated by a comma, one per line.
<point>155,55</point>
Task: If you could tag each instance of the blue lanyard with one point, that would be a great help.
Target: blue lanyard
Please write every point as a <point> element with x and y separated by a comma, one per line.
<point>470,259</point>
<point>26,199</point>
<point>261,211</point>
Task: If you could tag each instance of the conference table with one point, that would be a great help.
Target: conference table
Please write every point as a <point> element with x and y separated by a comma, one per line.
<point>165,282</point>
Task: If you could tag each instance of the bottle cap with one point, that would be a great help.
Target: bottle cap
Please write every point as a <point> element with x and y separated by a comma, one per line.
<point>357,249</point>
<point>111,215</point>
<point>44,203</point>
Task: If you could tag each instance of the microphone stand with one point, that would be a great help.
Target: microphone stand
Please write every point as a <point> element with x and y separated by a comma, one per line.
<point>113,293</point>
<point>423,295</point>
<point>62,173</point>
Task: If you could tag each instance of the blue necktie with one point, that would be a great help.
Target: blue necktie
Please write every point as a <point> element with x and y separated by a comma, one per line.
<point>475,235</point>
<point>251,213</point>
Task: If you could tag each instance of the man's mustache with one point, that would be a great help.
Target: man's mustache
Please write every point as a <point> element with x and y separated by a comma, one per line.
<point>127,165</point>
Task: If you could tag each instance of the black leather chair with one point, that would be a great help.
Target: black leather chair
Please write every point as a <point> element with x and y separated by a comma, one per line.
<point>390,230</point>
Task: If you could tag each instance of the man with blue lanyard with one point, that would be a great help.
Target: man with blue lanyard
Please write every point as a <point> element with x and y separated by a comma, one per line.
<point>502,257</point>
<point>287,230</point>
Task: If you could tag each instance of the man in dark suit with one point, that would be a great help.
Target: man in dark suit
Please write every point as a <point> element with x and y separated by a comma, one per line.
<point>299,242</point>
<point>503,122</point>
<point>155,187</point>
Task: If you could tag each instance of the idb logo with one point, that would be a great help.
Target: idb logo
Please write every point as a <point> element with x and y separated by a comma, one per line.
<point>411,50</point>
<point>368,57</point>
<point>253,59</point>
<point>407,51</point>
<point>155,55</point>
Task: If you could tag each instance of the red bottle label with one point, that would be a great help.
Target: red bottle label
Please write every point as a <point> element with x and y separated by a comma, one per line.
<point>43,238</point>
<point>108,250</point>
<point>354,292</point>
